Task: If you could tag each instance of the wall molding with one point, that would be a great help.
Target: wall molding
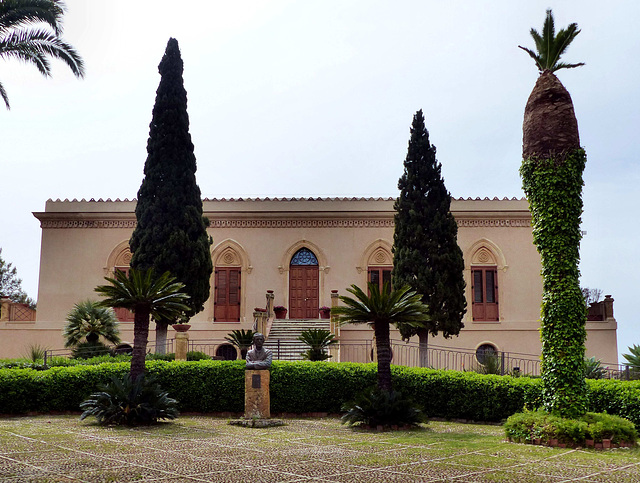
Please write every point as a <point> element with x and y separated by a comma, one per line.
<point>297,223</point>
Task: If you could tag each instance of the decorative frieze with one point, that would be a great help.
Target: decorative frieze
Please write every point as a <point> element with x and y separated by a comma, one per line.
<point>302,223</point>
<point>493,222</point>
<point>88,224</point>
<point>294,223</point>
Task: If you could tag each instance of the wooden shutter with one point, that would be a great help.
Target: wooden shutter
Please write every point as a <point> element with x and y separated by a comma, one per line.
<point>124,315</point>
<point>227,294</point>
<point>484,293</point>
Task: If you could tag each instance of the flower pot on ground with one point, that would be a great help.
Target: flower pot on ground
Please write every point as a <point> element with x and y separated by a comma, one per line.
<point>280,311</point>
<point>325,312</point>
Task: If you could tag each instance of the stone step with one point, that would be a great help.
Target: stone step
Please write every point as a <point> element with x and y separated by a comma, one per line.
<point>286,332</point>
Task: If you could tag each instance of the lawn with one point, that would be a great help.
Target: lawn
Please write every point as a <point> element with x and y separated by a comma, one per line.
<point>207,449</point>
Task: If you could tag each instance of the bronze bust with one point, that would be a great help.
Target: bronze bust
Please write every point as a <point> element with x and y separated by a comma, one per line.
<point>259,358</point>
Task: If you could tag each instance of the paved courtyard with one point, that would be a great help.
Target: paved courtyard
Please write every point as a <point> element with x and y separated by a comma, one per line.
<point>205,449</point>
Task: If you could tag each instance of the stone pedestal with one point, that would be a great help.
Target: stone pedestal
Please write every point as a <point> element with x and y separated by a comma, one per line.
<point>257,403</point>
<point>182,346</point>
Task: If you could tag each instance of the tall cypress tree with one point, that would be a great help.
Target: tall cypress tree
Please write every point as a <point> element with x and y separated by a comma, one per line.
<point>426,254</point>
<point>171,231</point>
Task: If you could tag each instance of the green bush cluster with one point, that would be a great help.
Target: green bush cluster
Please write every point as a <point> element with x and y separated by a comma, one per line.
<point>529,425</point>
<point>305,387</point>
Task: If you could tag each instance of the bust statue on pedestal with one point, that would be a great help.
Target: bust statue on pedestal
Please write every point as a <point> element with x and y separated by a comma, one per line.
<point>258,358</point>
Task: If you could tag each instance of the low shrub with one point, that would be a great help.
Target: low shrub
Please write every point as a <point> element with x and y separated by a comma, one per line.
<point>130,403</point>
<point>374,407</point>
<point>303,387</point>
<point>467,395</point>
<point>527,426</point>
<point>88,350</point>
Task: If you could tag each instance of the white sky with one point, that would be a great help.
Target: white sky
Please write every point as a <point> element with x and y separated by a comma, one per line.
<point>316,98</point>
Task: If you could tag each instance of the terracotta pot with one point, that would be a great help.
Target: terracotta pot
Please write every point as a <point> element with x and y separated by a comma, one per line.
<point>181,327</point>
<point>325,313</point>
<point>280,313</point>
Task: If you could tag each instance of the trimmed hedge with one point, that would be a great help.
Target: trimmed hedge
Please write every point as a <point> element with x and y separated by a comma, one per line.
<point>305,387</point>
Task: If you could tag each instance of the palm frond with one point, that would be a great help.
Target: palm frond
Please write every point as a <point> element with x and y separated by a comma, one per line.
<point>4,96</point>
<point>401,306</point>
<point>551,46</point>
<point>19,13</point>
<point>30,32</point>
<point>161,295</point>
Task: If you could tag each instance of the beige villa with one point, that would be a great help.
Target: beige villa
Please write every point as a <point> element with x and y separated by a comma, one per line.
<point>302,249</point>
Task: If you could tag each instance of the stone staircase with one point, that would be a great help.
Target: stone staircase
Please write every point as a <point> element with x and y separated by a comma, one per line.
<point>283,337</point>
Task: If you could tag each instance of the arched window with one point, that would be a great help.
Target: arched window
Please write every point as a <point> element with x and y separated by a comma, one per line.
<point>485,352</point>
<point>230,263</point>
<point>484,289</point>
<point>484,283</point>
<point>304,256</point>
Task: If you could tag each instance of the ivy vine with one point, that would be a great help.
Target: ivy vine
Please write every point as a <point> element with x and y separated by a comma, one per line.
<point>554,189</point>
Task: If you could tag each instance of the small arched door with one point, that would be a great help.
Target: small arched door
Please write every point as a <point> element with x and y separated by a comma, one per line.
<point>303,285</point>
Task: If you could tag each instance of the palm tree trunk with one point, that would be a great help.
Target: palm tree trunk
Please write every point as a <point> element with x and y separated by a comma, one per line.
<point>423,347</point>
<point>550,127</point>
<point>161,337</point>
<point>383,349</point>
<point>140,338</point>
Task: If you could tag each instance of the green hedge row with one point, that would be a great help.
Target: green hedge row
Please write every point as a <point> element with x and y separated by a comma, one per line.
<point>304,387</point>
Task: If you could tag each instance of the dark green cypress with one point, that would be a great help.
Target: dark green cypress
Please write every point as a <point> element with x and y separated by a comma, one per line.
<point>426,254</point>
<point>171,231</point>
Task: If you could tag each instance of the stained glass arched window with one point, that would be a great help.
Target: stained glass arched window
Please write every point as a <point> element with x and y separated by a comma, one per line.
<point>304,256</point>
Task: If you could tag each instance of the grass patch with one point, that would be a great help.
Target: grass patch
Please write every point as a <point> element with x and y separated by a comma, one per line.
<point>202,445</point>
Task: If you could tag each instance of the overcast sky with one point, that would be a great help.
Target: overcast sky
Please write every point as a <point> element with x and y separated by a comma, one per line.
<point>291,98</point>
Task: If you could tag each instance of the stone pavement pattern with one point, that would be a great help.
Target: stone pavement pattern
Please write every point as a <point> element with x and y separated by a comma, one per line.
<point>204,449</point>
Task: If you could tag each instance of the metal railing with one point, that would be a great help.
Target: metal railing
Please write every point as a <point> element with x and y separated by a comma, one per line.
<point>403,354</point>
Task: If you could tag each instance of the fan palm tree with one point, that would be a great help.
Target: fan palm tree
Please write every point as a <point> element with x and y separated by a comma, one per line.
<point>89,320</point>
<point>146,296</point>
<point>381,309</point>
<point>551,171</point>
<point>30,31</point>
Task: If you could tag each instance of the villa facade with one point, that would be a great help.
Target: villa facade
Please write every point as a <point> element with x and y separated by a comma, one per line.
<point>301,249</point>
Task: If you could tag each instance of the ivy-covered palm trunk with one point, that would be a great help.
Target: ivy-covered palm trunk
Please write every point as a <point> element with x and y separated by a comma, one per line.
<point>554,191</point>
<point>140,339</point>
<point>552,168</point>
<point>383,349</point>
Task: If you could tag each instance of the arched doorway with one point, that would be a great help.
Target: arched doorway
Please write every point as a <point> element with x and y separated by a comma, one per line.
<point>303,285</point>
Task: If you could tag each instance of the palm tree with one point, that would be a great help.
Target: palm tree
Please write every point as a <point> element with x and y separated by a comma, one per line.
<point>550,124</point>
<point>318,341</point>
<point>89,320</point>
<point>381,309</point>
<point>551,171</point>
<point>30,31</point>
<point>242,339</point>
<point>147,296</point>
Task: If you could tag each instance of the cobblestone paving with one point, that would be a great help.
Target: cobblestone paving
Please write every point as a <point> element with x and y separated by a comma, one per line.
<point>204,449</point>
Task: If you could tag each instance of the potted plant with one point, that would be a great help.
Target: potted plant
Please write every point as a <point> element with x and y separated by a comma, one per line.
<point>280,311</point>
<point>325,312</point>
